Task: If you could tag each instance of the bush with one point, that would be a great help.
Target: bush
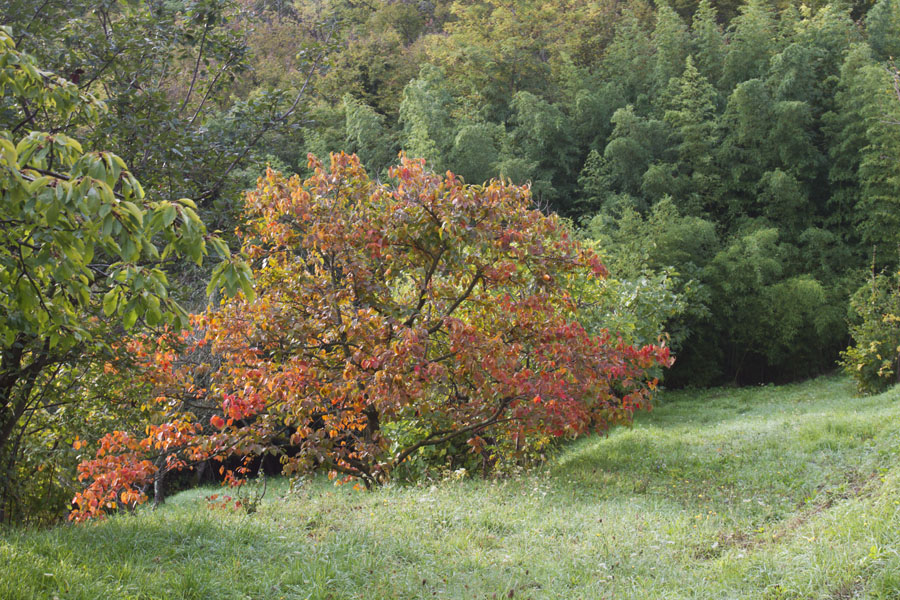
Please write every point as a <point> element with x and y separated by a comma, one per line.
<point>874,358</point>
<point>388,319</point>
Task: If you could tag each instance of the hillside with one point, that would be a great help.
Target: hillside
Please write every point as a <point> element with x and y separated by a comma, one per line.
<point>768,492</point>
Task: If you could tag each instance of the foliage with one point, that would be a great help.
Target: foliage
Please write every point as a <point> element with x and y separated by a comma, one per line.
<point>367,135</point>
<point>81,249</point>
<point>873,361</point>
<point>388,319</point>
<point>174,77</point>
<point>763,133</point>
<point>756,116</point>
<point>882,24</point>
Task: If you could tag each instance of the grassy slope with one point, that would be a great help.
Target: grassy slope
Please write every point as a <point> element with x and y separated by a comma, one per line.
<point>789,492</point>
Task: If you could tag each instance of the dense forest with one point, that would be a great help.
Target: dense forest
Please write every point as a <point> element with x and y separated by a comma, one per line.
<point>740,157</point>
<point>736,165</point>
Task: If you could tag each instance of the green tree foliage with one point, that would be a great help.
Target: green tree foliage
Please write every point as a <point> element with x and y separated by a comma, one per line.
<point>670,251</point>
<point>767,315</point>
<point>81,248</point>
<point>874,358</point>
<point>882,25</point>
<point>540,133</point>
<point>672,40</point>
<point>691,114</point>
<point>879,167</point>
<point>367,135</point>
<point>846,131</point>
<point>629,59</point>
<point>495,48</point>
<point>172,74</point>
<point>636,143</point>
<point>750,44</point>
<point>426,116</point>
<point>475,150</point>
<point>864,172</point>
<point>708,41</point>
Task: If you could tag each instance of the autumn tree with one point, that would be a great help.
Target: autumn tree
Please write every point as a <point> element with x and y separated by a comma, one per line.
<point>389,319</point>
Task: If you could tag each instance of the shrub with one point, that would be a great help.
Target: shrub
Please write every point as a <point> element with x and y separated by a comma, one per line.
<point>874,358</point>
<point>388,319</point>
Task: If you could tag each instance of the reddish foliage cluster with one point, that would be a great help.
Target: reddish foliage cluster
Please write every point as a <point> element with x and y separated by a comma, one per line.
<point>426,300</point>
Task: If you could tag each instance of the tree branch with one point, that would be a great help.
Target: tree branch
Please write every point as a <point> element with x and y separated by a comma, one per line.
<point>439,437</point>
<point>425,283</point>
<point>209,90</point>
<point>196,65</point>
<point>433,329</point>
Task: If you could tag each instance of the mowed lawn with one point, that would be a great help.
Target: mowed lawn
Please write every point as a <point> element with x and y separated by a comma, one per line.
<point>767,492</point>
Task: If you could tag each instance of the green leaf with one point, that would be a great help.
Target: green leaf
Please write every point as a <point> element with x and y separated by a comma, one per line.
<point>168,215</point>
<point>134,211</point>
<point>129,319</point>
<point>110,301</point>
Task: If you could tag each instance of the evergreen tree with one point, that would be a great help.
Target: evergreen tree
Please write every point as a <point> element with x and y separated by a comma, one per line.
<point>708,41</point>
<point>592,111</point>
<point>692,116</point>
<point>883,29</point>
<point>475,150</point>
<point>865,146</point>
<point>636,143</point>
<point>541,134</point>
<point>845,130</point>
<point>879,167</point>
<point>751,43</point>
<point>672,42</point>
<point>630,59</point>
<point>743,153</point>
<point>808,68</point>
<point>425,114</point>
<point>367,135</point>
<point>763,135</point>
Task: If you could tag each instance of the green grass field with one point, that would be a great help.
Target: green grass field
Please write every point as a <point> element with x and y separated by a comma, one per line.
<point>768,492</point>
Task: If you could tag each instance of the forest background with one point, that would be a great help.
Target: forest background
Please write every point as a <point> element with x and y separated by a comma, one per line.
<point>738,165</point>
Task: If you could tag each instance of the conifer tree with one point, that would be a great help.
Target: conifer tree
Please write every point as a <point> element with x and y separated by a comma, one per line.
<point>541,134</point>
<point>879,168</point>
<point>475,150</point>
<point>883,29</point>
<point>692,116</point>
<point>672,42</point>
<point>367,135</point>
<point>750,44</point>
<point>845,131</point>
<point>635,144</point>
<point>630,59</point>
<point>428,130</point>
<point>708,41</point>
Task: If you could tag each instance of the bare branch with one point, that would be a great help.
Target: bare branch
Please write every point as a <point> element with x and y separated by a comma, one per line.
<point>196,66</point>
<point>209,89</point>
